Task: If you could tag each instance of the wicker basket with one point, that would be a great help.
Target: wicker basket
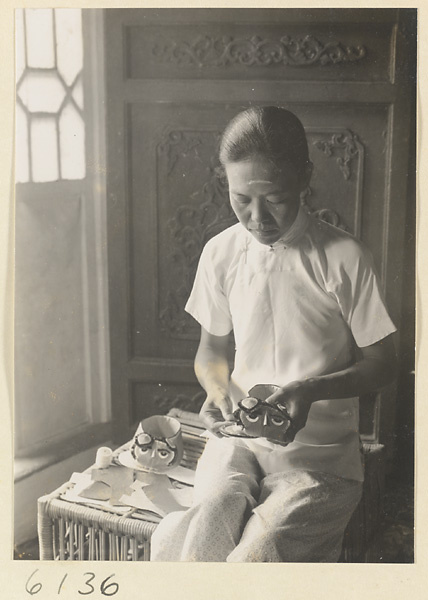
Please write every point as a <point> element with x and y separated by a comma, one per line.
<point>70,531</point>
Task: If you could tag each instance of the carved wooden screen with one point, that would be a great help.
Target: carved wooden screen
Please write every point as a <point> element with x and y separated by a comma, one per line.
<point>175,78</point>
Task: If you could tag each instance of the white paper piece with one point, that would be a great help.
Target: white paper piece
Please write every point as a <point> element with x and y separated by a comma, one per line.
<point>97,490</point>
<point>182,474</point>
<point>138,499</point>
<point>71,496</point>
<point>163,498</point>
<point>159,498</point>
<point>118,478</point>
<point>144,478</point>
<point>183,496</point>
<point>82,481</point>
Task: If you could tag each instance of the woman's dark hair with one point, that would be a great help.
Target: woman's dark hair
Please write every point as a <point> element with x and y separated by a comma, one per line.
<point>268,131</point>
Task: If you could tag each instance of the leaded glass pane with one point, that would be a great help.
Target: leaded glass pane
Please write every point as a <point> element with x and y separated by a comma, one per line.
<point>44,152</point>
<point>42,91</point>
<point>50,128</point>
<point>21,146</point>
<point>78,93</point>
<point>72,143</point>
<point>40,40</point>
<point>70,43</point>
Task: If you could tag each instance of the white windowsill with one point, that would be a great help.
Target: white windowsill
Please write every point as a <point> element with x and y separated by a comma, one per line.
<point>55,452</point>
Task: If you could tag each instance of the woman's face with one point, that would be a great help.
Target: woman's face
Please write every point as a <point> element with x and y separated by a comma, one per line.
<point>264,198</point>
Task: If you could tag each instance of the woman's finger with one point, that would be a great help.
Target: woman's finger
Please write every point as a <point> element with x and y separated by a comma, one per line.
<point>277,397</point>
<point>226,409</point>
<point>212,419</point>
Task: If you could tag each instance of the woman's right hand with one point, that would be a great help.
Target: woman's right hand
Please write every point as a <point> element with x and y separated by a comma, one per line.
<point>215,411</point>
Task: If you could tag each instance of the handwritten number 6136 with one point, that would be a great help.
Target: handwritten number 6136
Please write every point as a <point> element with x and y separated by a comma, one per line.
<point>107,589</point>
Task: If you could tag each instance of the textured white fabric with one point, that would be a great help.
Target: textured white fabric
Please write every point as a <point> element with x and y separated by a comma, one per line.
<point>240,514</point>
<point>297,309</point>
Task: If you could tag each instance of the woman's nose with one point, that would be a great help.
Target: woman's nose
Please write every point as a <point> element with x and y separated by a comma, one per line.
<point>265,419</point>
<point>258,211</point>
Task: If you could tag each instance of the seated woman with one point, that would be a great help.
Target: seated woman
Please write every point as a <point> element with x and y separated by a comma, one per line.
<point>304,303</point>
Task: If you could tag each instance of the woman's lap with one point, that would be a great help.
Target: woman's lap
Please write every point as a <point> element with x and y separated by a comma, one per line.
<point>242,515</point>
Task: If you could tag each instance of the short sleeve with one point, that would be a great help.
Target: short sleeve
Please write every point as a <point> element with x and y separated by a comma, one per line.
<point>208,303</point>
<point>358,292</point>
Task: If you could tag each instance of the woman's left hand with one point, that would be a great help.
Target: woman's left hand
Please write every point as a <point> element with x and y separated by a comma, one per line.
<point>295,398</point>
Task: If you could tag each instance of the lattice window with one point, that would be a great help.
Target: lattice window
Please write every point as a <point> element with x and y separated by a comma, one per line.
<point>50,127</point>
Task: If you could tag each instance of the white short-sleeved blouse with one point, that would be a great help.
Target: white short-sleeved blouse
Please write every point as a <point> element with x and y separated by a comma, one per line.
<point>297,309</point>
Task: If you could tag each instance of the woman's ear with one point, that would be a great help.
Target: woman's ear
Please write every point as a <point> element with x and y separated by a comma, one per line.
<point>306,175</point>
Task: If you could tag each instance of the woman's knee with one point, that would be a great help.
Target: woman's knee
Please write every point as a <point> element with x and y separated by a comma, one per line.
<point>230,501</point>
<point>231,487</point>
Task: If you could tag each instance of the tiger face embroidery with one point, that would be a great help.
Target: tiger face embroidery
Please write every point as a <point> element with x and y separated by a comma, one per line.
<point>154,453</point>
<point>260,419</point>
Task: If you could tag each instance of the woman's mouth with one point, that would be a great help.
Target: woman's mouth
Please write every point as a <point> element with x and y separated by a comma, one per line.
<point>264,231</point>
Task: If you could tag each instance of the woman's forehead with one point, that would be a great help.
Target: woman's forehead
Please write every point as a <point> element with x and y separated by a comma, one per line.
<point>257,173</point>
<point>261,167</point>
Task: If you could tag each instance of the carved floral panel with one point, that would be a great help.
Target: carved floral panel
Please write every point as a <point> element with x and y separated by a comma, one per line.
<point>286,50</point>
<point>202,211</point>
<point>228,50</point>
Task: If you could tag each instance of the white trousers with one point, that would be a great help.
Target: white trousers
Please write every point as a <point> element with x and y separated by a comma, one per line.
<point>241,514</point>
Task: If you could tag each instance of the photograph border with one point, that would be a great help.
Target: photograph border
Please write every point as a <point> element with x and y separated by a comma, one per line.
<point>203,580</point>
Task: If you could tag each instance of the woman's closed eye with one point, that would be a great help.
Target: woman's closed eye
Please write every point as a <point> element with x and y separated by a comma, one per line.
<point>270,198</point>
<point>240,198</point>
<point>276,198</point>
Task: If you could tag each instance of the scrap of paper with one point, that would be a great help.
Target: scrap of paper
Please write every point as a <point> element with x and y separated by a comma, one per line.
<point>106,484</point>
<point>158,497</point>
<point>183,496</point>
<point>182,474</point>
<point>138,499</point>
<point>146,478</point>
<point>82,481</point>
<point>119,479</point>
